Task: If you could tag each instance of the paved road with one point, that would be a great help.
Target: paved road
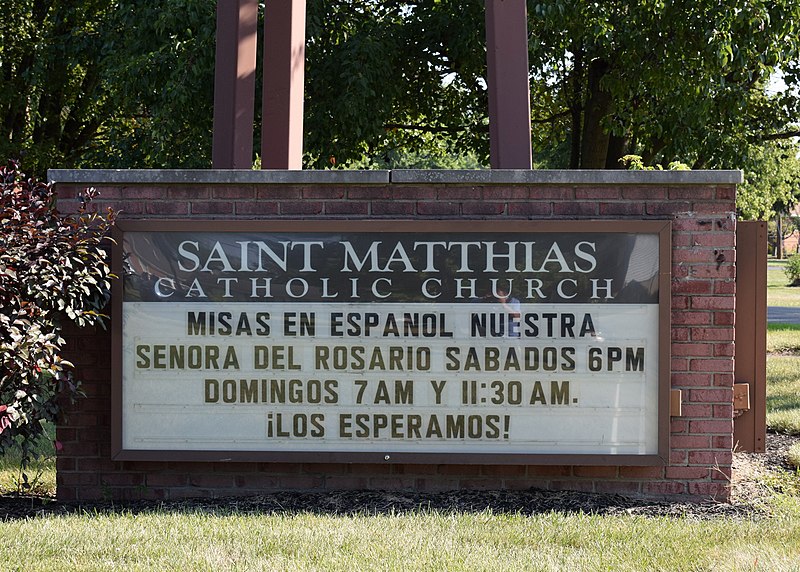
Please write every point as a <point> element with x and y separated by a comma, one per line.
<point>782,315</point>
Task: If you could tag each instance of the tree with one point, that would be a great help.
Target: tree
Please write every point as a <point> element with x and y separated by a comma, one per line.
<point>664,79</point>
<point>667,80</point>
<point>772,181</point>
<point>158,66</point>
<point>53,99</point>
<point>390,77</point>
<point>771,188</point>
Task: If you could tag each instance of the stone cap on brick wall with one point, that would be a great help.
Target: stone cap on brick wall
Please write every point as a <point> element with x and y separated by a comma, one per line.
<point>406,176</point>
<point>214,176</point>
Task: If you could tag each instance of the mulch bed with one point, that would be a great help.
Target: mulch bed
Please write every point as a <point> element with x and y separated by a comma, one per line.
<point>743,504</point>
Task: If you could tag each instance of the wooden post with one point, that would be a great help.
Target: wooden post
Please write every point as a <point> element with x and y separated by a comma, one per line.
<point>284,74</point>
<point>234,84</point>
<point>509,85</point>
<point>284,63</point>
<point>750,428</point>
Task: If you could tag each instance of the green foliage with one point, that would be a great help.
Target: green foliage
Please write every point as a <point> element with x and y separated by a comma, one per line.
<point>54,98</point>
<point>663,80</point>
<point>128,83</point>
<point>51,269</point>
<point>656,79</point>
<point>635,163</point>
<point>158,66</point>
<point>792,269</point>
<point>386,79</point>
<point>102,83</point>
<point>437,157</point>
<point>772,180</point>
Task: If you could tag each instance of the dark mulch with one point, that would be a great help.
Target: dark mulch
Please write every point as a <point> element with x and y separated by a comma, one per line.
<point>775,457</point>
<point>382,502</point>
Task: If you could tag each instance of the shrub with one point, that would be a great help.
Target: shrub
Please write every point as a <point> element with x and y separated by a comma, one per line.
<point>636,163</point>
<point>792,269</point>
<point>52,268</point>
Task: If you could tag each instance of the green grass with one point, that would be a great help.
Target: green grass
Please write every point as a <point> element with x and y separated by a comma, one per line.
<point>794,455</point>
<point>41,474</point>
<point>783,338</point>
<point>779,293</point>
<point>402,542</point>
<point>783,394</point>
<point>783,378</point>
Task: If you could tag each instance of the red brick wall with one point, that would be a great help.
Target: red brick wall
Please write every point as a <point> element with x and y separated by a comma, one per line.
<point>703,289</point>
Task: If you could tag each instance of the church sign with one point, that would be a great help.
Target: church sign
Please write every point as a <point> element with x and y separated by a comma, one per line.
<point>523,342</point>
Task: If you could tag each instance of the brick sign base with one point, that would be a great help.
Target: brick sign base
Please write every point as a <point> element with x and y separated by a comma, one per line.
<point>700,205</point>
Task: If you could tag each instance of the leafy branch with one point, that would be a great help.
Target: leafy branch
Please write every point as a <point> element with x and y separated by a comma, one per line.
<point>52,269</point>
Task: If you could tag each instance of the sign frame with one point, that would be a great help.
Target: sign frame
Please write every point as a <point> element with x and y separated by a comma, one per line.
<point>383,455</point>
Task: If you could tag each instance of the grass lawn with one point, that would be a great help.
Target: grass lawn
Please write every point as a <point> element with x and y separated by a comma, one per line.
<point>430,540</point>
<point>783,378</point>
<point>779,293</point>
<point>783,397</point>
<point>783,339</point>
<point>41,474</point>
<point>402,542</point>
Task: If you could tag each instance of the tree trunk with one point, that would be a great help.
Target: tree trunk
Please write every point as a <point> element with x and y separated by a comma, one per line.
<point>576,108</point>
<point>617,148</point>
<point>778,238</point>
<point>649,153</point>
<point>594,144</point>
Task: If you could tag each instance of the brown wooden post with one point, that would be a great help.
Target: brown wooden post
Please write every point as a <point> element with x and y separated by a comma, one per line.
<point>284,63</point>
<point>749,429</point>
<point>509,85</point>
<point>234,84</point>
